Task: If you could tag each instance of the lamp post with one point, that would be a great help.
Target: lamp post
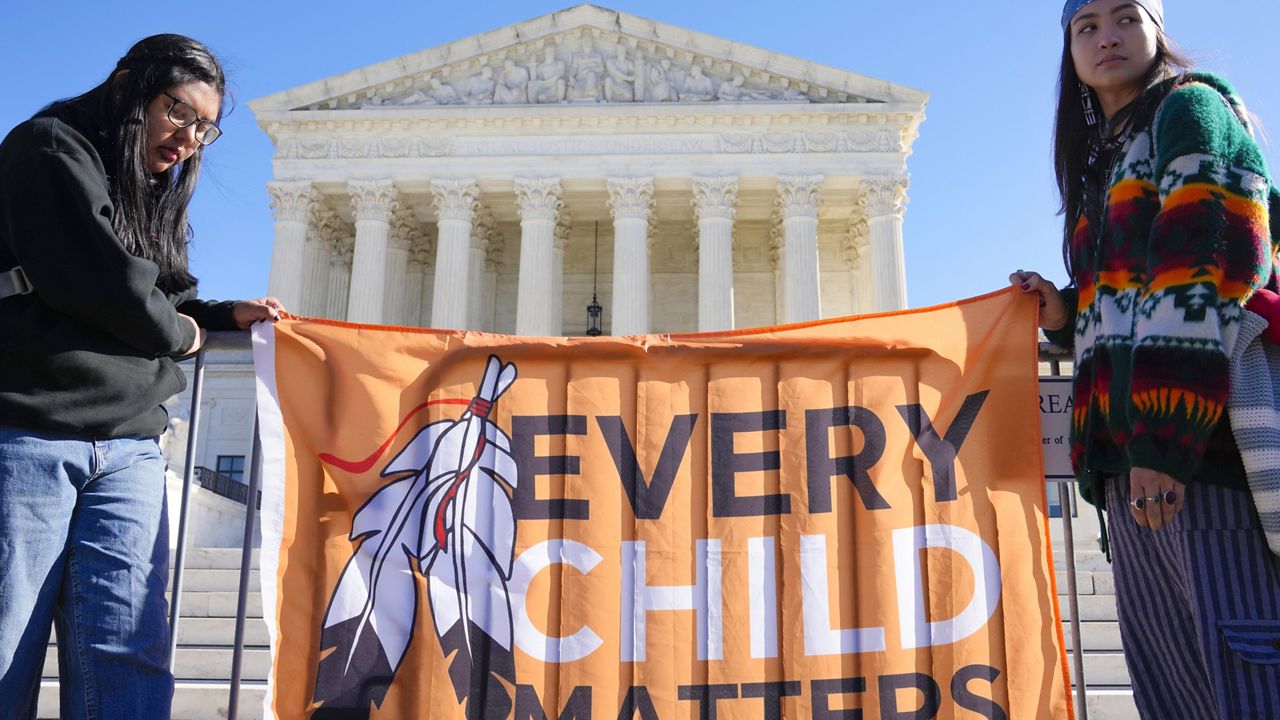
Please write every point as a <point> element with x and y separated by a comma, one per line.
<point>594,310</point>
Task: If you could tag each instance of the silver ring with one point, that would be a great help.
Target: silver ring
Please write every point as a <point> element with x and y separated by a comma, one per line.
<point>1155,499</point>
<point>1138,503</point>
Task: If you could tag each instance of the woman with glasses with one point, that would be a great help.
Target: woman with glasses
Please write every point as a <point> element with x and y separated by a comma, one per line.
<point>96,303</point>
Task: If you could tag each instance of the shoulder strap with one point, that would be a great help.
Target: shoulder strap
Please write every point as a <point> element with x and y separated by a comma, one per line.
<point>15,282</point>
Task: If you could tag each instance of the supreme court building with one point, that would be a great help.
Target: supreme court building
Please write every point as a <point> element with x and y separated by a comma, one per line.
<point>494,183</point>
<point>497,182</point>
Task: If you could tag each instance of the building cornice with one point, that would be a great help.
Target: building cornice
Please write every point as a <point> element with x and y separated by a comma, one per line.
<point>761,67</point>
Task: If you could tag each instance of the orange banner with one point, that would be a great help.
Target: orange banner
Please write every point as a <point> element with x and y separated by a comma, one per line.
<point>841,519</point>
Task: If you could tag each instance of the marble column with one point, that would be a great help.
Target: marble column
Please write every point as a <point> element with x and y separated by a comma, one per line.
<point>456,202</point>
<point>799,197</point>
<point>421,255</point>
<point>293,202</point>
<point>557,272</point>
<point>483,232</point>
<point>715,199</point>
<point>340,256</point>
<point>776,260</point>
<point>396,292</point>
<point>539,201</point>
<point>857,257</point>
<point>631,204</point>
<point>492,266</point>
<point>885,200</point>
<point>315,262</point>
<point>373,202</point>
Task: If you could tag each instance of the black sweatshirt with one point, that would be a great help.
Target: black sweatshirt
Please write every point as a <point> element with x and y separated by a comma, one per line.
<point>91,352</point>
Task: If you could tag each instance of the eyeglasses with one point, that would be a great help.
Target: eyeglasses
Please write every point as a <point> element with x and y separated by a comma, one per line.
<point>181,114</point>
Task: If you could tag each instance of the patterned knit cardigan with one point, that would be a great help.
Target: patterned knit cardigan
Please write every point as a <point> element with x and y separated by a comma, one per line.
<point>1255,397</point>
<point>1185,240</point>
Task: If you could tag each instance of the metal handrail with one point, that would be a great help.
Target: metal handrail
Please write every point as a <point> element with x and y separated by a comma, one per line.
<point>239,341</point>
<point>223,486</point>
<point>1055,355</point>
<point>179,562</point>
<point>215,341</point>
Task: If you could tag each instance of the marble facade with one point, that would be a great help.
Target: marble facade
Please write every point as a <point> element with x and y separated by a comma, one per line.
<point>463,186</point>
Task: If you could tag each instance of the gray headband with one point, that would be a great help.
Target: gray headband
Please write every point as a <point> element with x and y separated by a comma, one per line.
<point>1154,8</point>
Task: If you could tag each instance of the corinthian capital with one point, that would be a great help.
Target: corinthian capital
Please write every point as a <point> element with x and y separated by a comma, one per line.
<point>404,228</point>
<point>342,252</point>
<point>631,198</point>
<point>456,199</point>
<point>715,197</point>
<point>293,200</point>
<point>483,228</point>
<point>776,239</point>
<point>563,224</point>
<point>799,195</point>
<point>422,249</point>
<point>373,199</point>
<point>493,251</point>
<point>328,227</point>
<point>884,195</point>
<point>857,242</point>
<point>539,198</point>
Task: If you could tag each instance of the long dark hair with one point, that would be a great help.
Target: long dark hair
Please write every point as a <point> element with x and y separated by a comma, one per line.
<point>151,210</point>
<point>1073,139</point>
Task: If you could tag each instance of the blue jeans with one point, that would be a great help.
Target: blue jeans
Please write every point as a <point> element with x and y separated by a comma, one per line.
<point>84,547</point>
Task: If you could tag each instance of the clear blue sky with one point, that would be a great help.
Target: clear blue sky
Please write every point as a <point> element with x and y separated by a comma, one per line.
<point>982,195</point>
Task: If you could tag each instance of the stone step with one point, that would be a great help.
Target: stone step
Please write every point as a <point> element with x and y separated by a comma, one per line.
<point>1095,636</point>
<point>192,700</point>
<point>1093,608</point>
<point>1086,561</point>
<point>219,604</point>
<point>200,663</point>
<point>218,631</point>
<point>214,558</point>
<point>1102,668</point>
<point>1110,704</point>
<point>214,579</point>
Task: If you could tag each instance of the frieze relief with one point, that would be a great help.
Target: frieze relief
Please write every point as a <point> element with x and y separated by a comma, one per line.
<point>844,142</point>
<point>590,67</point>
<point>330,148</point>
<point>373,148</point>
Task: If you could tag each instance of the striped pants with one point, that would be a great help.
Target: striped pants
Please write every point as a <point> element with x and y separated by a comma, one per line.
<point>1199,607</point>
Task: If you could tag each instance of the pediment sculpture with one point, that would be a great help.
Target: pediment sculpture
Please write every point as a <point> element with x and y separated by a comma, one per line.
<point>587,71</point>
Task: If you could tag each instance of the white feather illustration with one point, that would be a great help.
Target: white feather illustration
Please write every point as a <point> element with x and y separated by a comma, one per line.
<point>452,520</point>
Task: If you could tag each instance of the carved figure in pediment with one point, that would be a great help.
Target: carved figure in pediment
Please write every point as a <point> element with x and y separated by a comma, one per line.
<point>513,84</point>
<point>478,89</point>
<point>437,93</point>
<point>697,87</point>
<point>549,84</point>
<point>586,72</point>
<point>734,90</point>
<point>660,87</point>
<point>620,77</point>
<point>794,94</point>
